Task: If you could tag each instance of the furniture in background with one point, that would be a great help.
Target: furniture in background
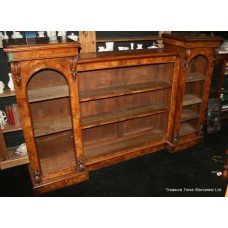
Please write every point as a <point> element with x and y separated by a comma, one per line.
<point>85,111</point>
<point>89,40</point>
<point>8,158</point>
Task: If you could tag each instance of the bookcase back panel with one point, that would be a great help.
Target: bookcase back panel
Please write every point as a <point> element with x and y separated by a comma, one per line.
<point>160,97</point>
<point>140,133</point>
<point>97,79</point>
<point>56,151</point>
<point>125,76</point>
<point>144,123</point>
<point>46,78</point>
<point>98,107</point>
<point>198,65</point>
<point>51,109</point>
<point>100,133</point>
<point>147,73</point>
<point>195,88</point>
<point>148,98</point>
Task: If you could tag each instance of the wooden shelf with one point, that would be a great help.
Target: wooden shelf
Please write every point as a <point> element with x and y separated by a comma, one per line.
<point>127,39</point>
<point>63,124</point>
<point>11,128</point>
<point>122,90</point>
<point>7,93</point>
<point>107,118</point>
<point>52,126</point>
<point>139,140</point>
<point>58,161</point>
<point>189,114</point>
<point>48,93</point>
<point>62,91</point>
<point>195,77</point>
<point>186,129</point>
<point>13,160</point>
<point>190,99</point>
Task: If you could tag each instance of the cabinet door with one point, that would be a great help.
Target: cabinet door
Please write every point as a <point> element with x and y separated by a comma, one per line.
<point>48,101</point>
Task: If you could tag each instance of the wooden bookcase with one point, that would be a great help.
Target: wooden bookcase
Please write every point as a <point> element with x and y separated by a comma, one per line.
<point>85,111</point>
<point>8,158</point>
<point>196,58</point>
<point>46,90</point>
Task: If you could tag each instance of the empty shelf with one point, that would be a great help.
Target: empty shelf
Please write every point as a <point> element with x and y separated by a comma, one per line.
<point>188,114</point>
<point>186,129</point>
<point>116,116</point>
<point>122,90</point>
<point>62,160</point>
<point>195,77</point>
<point>52,126</point>
<point>190,99</point>
<point>141,139</point>
<point>48,93</point>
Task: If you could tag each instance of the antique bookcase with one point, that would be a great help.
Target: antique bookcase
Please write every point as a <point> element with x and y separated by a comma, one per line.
<point>85,111</point>
<point>46,89</point>
<point>196,65</point>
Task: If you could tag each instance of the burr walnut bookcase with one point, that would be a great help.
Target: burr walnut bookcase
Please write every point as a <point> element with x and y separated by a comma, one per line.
<point>81,112</point>
<point>196,65</point>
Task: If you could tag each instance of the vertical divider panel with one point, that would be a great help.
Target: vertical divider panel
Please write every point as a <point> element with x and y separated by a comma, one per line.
<point>76,116</point>
<point>20,84</point>
<point>173,100</point>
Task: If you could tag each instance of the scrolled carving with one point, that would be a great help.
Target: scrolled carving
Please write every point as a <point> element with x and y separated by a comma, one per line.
<point>73,67</point>
<point>16,70</point>
<point>176,137</point>
<point>81,164</point>
<point>200,130</point>
<point>186,59</point>
<point>37,176</point>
